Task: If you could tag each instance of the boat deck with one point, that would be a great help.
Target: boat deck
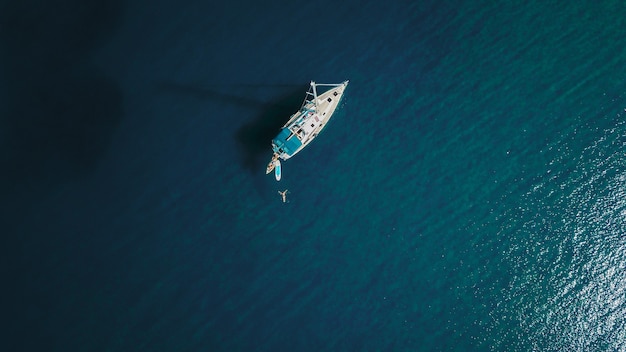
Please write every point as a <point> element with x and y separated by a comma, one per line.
<point>308,122</point>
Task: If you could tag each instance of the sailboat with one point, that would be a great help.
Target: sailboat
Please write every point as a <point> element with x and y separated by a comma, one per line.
<point>305,124</point>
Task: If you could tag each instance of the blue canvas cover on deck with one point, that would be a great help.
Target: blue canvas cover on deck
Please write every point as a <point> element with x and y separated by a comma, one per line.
<point>290,145</point>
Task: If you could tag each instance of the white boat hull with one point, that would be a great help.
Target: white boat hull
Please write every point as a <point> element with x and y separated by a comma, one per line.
<point>306,124</point>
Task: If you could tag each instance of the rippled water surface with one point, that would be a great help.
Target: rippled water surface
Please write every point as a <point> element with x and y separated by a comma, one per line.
<point>568,291</point>
<point>469,194</point>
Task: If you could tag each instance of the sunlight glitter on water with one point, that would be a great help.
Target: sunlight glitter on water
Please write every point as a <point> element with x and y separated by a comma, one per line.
<point>569,286</point>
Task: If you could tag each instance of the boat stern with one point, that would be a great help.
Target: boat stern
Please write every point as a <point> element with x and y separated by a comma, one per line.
<point>286,144</point>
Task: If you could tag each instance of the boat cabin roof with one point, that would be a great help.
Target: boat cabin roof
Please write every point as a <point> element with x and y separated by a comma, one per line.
<point>287,141</point>
<point>292,137</point>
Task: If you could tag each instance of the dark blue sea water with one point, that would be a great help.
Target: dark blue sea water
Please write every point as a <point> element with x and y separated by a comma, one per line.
<point>468,195</point>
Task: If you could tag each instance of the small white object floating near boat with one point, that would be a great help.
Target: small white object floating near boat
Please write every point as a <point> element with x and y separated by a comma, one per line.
<point>275,165</point>
<point>277,170</point>
<point>304,125</point>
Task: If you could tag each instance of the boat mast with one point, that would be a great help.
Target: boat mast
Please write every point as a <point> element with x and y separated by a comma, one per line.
<point>314,94</point>
<point>314,91</point>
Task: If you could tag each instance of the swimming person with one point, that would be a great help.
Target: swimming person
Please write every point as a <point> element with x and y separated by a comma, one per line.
<point>283,194</point>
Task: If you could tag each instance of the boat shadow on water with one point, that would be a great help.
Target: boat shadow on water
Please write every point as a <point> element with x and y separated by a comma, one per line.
<point>255,137</point>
